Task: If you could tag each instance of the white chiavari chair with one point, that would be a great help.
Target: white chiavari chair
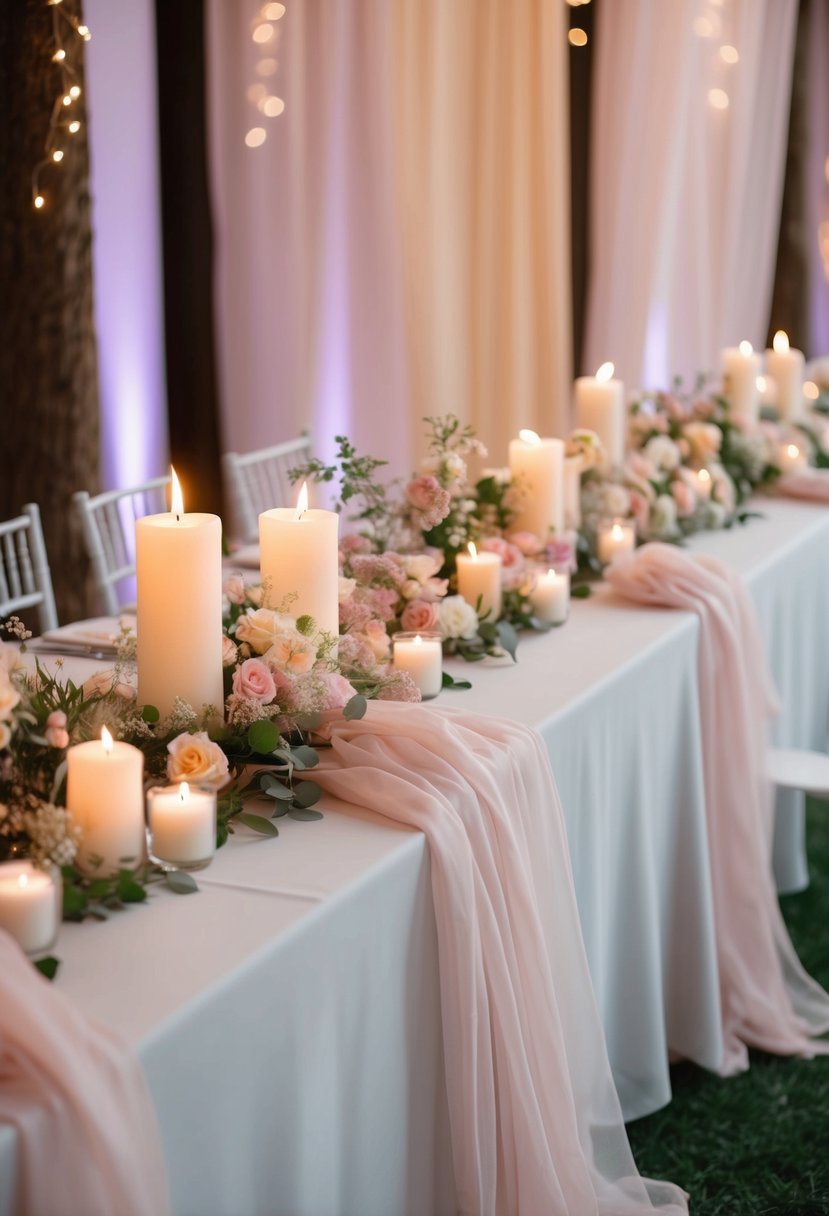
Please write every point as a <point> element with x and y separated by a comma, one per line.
<point>257,481</point>
<point>108,523</point>
<point>25,578</point>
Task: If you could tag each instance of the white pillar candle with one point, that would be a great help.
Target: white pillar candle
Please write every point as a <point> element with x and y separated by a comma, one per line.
<point>791,458</point>
<point>615,536</point>
<point>600,407</point>
<point>29,906</point>
<point>182,823</point>
<point>572,492</point>
<point>179,617</point>
<point>741,367</point>
<point>105,797</point>
<point>479,577</point>
<point>537,465</point>
<point>785,366</point>
<point>421,655</point>
<point>298,558</point>
<point>550,597</point>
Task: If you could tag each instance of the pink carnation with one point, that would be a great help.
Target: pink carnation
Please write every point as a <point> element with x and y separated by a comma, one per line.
<point>354,544</point>
<point>254,680</point>
<point>511,556</point>
<point>527,542</point>
<point>420,617</point>
<point>354,651</point>
<point>337,691</point>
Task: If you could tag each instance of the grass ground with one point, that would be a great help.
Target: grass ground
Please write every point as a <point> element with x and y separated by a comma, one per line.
<point>756,1144</point>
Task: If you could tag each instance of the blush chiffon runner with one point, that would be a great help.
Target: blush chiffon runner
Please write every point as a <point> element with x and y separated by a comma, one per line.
<point>767,1000</point>
<point>536,1125</point>
<point>77,1099</point>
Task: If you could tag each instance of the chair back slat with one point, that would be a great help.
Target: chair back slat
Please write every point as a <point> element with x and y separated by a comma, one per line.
<point>257,481</point>
<point>25,578</point>
<point>108,525</point>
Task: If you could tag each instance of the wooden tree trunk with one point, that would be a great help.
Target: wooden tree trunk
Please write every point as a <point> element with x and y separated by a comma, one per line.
<point>48,362</point>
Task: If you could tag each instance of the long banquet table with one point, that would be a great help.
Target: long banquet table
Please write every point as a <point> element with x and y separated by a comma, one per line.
<point>288,1015</point>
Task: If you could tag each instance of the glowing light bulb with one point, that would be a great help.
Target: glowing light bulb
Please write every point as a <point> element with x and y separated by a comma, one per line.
<point>266,67</point>
<point>59,55</point>
<point>75,92</point>
<point>57,156</point>
<point>67,100</point>
<point>718,99</point>
<point>84,32</point>
<point>255,137</point>
<point>577,37</point>
<point>273,106</point>
<point>74,127</point>
<point>729,54</point>
<point>39,200</point>
<point>273,11</point>
<point>263,33</point>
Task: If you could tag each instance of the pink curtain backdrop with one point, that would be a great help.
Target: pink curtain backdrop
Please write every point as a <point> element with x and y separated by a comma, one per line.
<point>397,245</point>
<point>685,196</point>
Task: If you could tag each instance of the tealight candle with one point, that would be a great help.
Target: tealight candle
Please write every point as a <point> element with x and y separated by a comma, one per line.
<point>537,465</point>
<point>615,536</point>
<point>421,655</point>
<point>182,825</point>
<point>701,482</point>
<point>479,577</point>
<point>572,492</point>
<point>105,797</point>
<point>600,407</point>
<point>740,367</point>
<point>785,366</point>
<point>299,562</point>
<point>791,458</point>
<point>179,612</point>
<point>30,908</point>
<point>550,596</point>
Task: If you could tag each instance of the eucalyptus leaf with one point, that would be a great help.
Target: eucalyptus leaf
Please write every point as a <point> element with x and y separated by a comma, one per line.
<point>257,823</point>
<point>308,721</point>
<point>263,736</point>
<point>48,966</point>
<point>582,592</point>
<point>307,756</point>
<point>448,681</point>
<point>128,889</point>
<point>277,790</point>
<point>507,637</point>
<point>355,708</point>
<point>74,902</point>
<point>150,714</point>
<point>303,814</point>
<point>181,882</point>
<point>306,793</point>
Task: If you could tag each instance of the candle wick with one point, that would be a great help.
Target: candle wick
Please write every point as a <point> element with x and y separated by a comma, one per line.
<point>178,518</point>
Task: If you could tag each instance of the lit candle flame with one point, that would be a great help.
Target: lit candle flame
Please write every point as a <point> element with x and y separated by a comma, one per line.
<point>176,497</point>
<point>746,349</point>
<point>704,475</point>
<point>781,342</point>
<point>106,739</point>
<point>473,552</point>
<point>302,501</point>
<point>418,640</point>
<point>530,437</point>
<point>23,881</point>
<point>762,384</point>
<point>606,371</point>
<point>184,791</point>
<point>793,451</point>
<point>616,532</point>
<point>811,390</point>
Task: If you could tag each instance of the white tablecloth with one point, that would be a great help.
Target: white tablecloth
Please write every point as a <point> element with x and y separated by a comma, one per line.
<point>288,1014</point>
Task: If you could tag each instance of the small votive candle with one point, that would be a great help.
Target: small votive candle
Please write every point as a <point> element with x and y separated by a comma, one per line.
<point>181,821</point>
<point>701,482</point>
<point>421,655</point>
<point>550,596</point>
<point>30,906</point>
<point>615,536</point>
<point>479,578</point>
<point>791,458</point>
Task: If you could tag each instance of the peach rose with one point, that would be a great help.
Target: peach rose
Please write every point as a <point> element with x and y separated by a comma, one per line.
<point>197,759</point>
<point>230,651</point>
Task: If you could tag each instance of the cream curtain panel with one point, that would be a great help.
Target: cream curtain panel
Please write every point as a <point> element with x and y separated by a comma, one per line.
<point>398,245</point>
<point>688,158</point>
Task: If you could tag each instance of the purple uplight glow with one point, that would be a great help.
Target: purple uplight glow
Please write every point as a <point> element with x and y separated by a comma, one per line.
<point>129,315</point>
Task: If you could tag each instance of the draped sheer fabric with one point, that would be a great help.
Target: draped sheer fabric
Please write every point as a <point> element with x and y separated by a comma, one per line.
<point>76,1096</point>
<point>767,1000</point>
<point>812,485</point>
<point>535,1121</point>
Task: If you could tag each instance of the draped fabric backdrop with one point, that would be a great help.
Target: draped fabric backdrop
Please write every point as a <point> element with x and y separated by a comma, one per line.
<point>685,195</point>
<point>398,244</point>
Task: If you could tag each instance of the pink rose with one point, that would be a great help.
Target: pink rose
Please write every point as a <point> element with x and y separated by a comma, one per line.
<point>337,690</point>
<point>354,544</point>
<point>420,617</point>
<point>255,681</point>
<point>561,554</point>
<point>378,639</point>
<point>56,733</point>
<point>526,542</point>
<point>684,497</point>
<point>234,589</point>
<point>428,497</point>
<point>641,511</point>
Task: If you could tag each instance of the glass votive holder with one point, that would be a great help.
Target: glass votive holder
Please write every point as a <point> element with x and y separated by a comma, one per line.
<point>550,595</point>
<point>421,655</point>
<point>613,537</point>
<point>31,905</point>
<point>181,826</point>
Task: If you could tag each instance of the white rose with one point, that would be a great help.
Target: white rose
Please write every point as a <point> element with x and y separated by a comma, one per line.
<point>663,453</point>
<point>457,618</point>
<point>420,566</point>
<point>663,517</point>
<point>345,589</point>
<point>410,589</point>
<point>455,466</point>
<point>261,628</point>
<point>615,499</point>
<point>197,759</point>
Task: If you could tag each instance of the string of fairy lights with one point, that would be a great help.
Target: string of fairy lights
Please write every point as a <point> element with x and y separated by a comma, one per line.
<point>260,94</point>
<point>68,35</point>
